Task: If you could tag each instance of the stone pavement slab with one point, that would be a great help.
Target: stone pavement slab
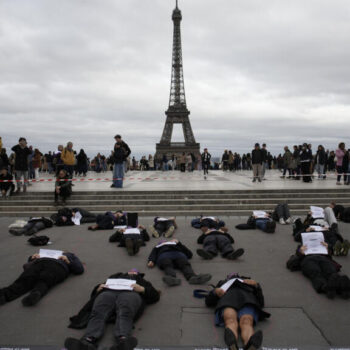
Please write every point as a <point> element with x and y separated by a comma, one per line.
<point>301,318</point>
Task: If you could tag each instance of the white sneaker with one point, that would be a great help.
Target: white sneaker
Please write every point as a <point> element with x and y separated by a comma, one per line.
<point>282,222</point>
<point>289,220</point>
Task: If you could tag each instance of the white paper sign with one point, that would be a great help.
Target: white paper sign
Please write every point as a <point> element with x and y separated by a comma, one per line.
<point>48,253</point>
<point>120,227</point>
<point>76,218</point>
<point>317,228</point>
<point>132,231</point>
<point>312,240</point>
<point>317,212</point>
<point>165,243</point>
<point>120,284</point>
<point>162,219</point>
<point>229,283</point>
<point>260,214</point>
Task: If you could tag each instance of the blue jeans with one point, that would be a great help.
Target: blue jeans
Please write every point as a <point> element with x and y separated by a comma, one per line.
<point>118,173</point>
<point>261,223</point>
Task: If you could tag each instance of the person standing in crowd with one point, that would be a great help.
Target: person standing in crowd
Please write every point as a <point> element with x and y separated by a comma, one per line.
<point>165,162</point>
<point>340,153</point>
<point>320,161</point>
<point>37,162</point>
<point>126,149</point>
<point>264,161</point>
<point>21,163</point>
<point>183,162</point>
<point>118,170</point>
<point>189,162</point>
<point>4,160</point>
<point>257,160</point>
<point>150,162</point>
<point>287,162</point>
<point>346,167</point>
<point>305,161</point>
<point>68,158</point>
<point>82,163</point>
<point>49,160</point>
<point>224,160</point>
<point>206,156</point>
<point>231,160</point>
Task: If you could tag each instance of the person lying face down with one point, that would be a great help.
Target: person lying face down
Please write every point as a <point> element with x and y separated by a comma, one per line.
<point>120,300</point>
<point>171,255</point>
<point>39,276</point>
<point>217,240</point>
<point>108,220</point>
<point>163,226</point>
<point>319,267</point>
<point>238,303</point>
<point>131,238</point>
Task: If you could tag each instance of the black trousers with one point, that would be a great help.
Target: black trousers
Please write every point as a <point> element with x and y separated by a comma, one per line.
<point>31,228</point>
<point>282,211</point>
<point>318,269</point>
<point>169,265</point>
<point>40,276</point>
<point>305,169</point>
<point>205,168</point>
<point>215,243</point>
<point>64,193</point>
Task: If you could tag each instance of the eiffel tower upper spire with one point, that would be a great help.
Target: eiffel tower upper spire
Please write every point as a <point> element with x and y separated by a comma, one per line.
<point>177,98</point>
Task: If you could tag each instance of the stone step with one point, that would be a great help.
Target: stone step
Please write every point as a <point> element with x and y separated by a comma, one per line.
<point>197,196</point>
<point>168,207</point>
<point>127,202</point>
<point>191,213</point>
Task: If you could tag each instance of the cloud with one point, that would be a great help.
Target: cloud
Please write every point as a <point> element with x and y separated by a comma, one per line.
<point>273,71</point>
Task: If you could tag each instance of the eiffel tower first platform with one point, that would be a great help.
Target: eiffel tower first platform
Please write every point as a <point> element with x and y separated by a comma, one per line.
<point>177,112</point>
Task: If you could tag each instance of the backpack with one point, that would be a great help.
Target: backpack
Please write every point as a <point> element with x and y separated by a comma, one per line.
<point>38,240</point>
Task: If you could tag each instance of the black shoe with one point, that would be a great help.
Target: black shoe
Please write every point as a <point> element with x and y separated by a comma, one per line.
<point>230,339</point>
<point>112,186</point>
<point>255,341</point>
<point>128,343</point>
<point>204,254</point>
<point>129,246</point>
<point>77,344</point>
<point>32,298</point>
<point>235,254</point>
<point>2,298</point>
<point>332,286</point>
<point>171,281</point>
<point>199,279</point>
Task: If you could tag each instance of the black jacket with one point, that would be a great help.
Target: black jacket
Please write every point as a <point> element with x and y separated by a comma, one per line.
<point>237,296</point>
<point>321,157</point>
<point>6,185</point>
<point>202,237</point>
<point>120,237</point>
<point>179,247</point>
<point>150,296</point>
<point>119,155</point>
<point>206,157</point>
<point>21,161</point>
<point>75,266</point>
<point>257,156</point>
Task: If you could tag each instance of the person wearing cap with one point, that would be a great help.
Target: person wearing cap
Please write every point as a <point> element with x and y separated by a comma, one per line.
<point>123,307</point>
<point>21,163</point>
<point>215,240</point>
<point>257,160</point>
<point>41,274</point>
<point>119,168</point>
<point>238,303</point>
<point>206,156</point>
<point>169,255</point>
<point>125,148</point>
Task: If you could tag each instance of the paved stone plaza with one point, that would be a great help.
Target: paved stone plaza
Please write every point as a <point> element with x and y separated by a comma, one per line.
<point>175,180</point>
<point>301,318</point>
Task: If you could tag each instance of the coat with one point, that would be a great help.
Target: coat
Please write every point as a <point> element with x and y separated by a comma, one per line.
<point>201,238</point>
<point>179,247</point>
<point>150,296</point>
<point>21,160</point>
<point>237,296</point>
<point>68,157</point>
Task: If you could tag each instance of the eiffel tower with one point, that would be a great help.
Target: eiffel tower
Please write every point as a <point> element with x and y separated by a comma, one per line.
<point>177,112</point>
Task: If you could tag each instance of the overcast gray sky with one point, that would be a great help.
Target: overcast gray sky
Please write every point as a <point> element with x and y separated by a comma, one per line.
<point>274,71</point>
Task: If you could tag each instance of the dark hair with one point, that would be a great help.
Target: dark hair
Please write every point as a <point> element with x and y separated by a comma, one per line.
<point>117,136</point>
<point>22,139</point>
